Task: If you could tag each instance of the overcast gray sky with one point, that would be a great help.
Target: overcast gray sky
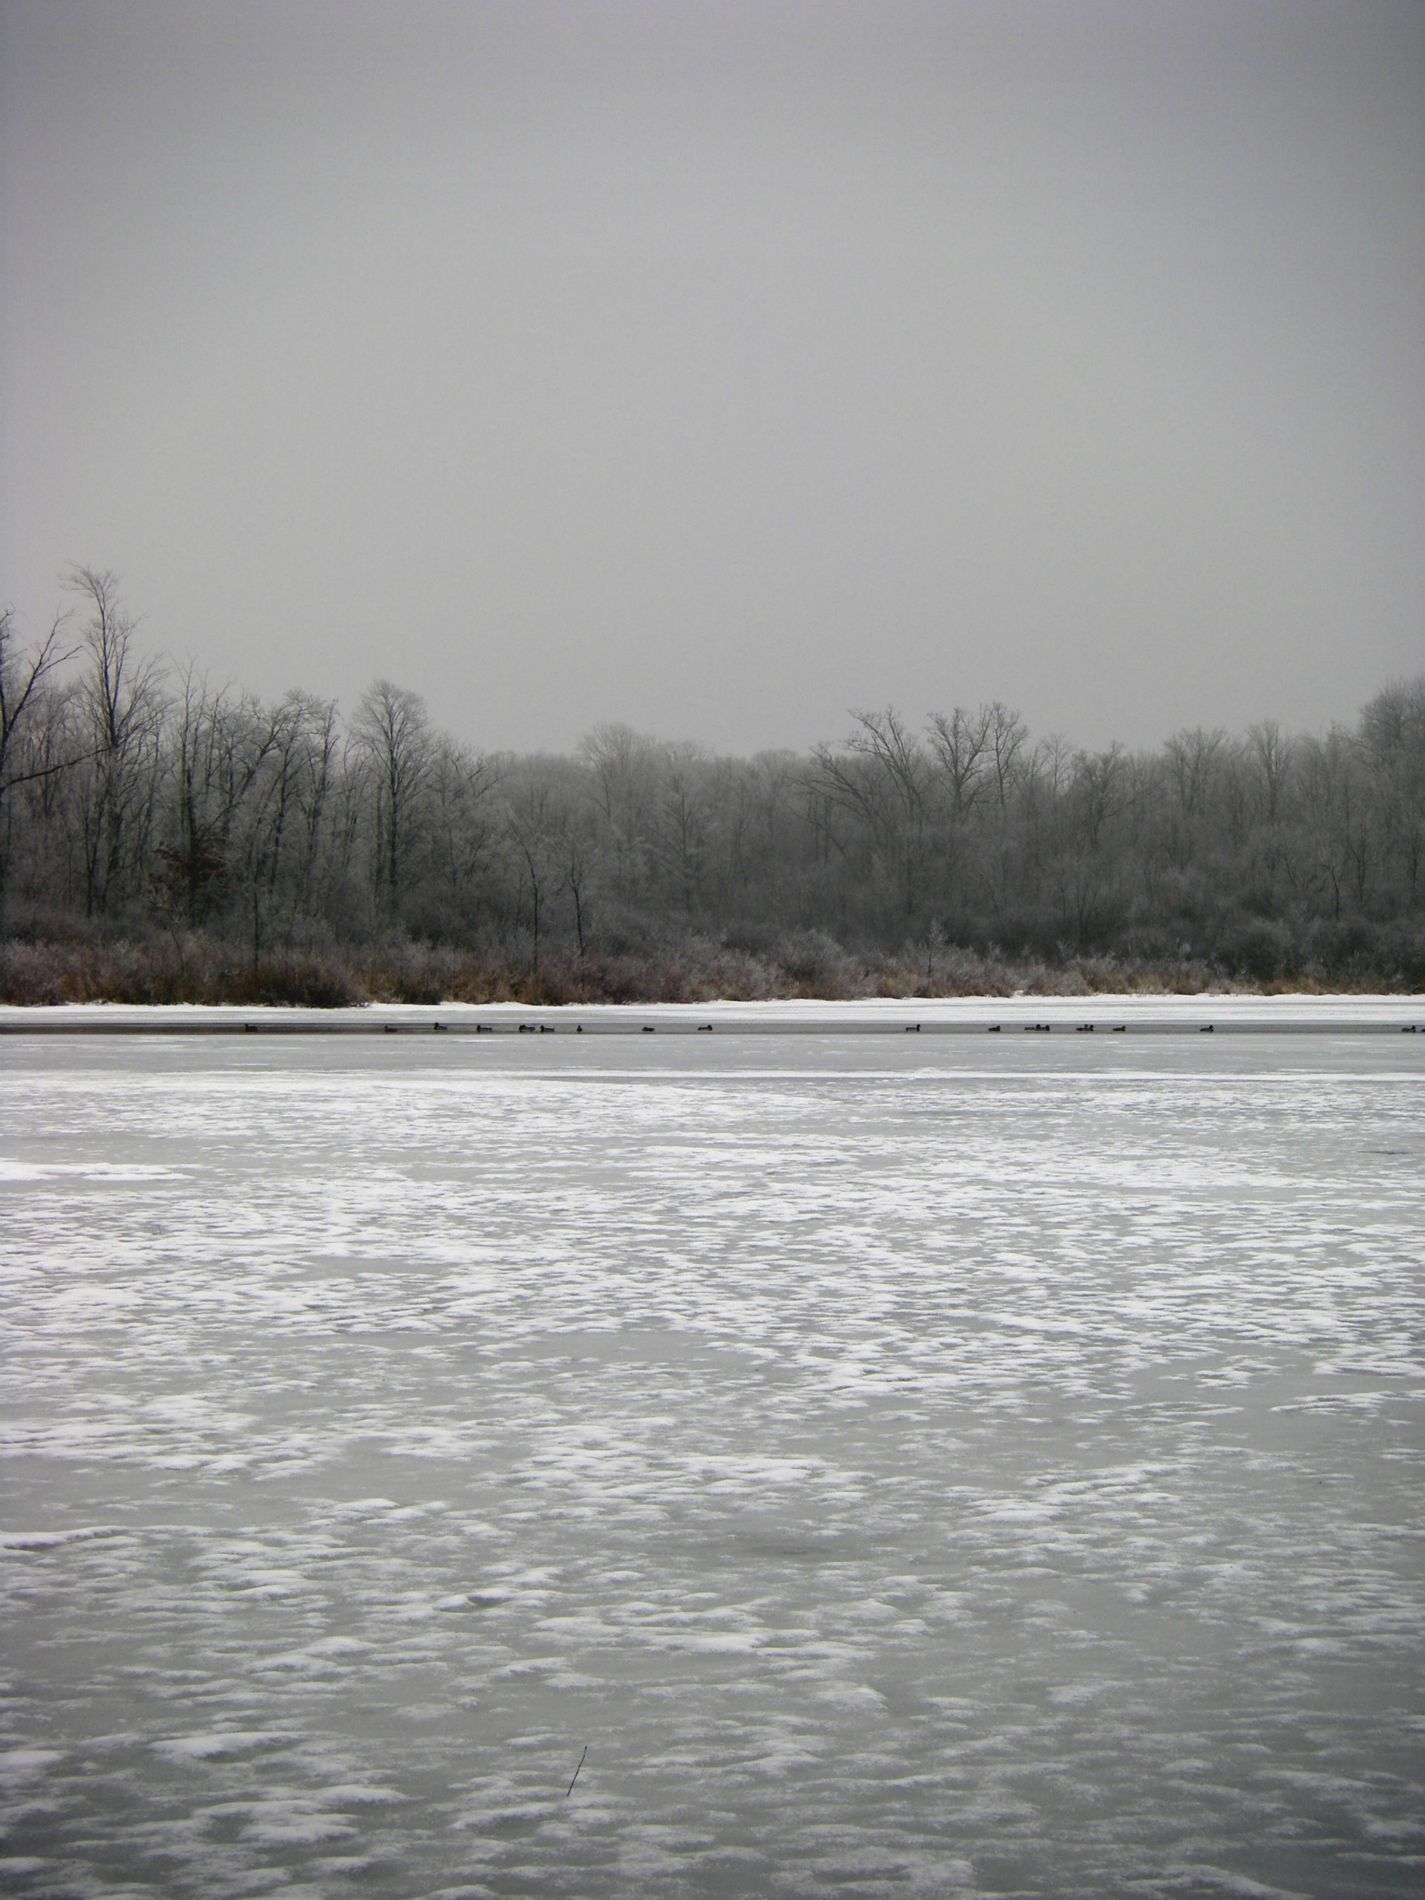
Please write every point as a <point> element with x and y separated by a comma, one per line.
<point>721,367</point>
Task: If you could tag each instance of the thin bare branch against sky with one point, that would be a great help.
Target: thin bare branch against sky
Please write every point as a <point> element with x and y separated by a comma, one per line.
<point>721,365</point>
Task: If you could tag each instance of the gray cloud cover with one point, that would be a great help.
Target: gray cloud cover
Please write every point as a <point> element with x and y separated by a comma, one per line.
<point>719,367</point>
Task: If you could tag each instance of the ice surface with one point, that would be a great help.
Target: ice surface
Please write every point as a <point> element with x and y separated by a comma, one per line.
<point>910,1467</point>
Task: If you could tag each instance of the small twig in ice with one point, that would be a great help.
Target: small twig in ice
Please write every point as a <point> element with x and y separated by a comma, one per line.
<point>570,1789</point>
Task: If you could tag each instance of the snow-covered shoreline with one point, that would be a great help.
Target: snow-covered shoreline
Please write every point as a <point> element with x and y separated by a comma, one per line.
<point>1341,1013</point>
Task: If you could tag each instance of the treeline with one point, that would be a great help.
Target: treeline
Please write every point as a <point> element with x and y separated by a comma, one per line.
<point>164,839</point>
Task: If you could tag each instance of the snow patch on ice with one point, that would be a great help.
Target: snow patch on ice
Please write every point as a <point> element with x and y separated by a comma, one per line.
<point>220,1744</point>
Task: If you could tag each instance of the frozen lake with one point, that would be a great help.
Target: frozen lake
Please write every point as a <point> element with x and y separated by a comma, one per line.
<point>906,1465</point>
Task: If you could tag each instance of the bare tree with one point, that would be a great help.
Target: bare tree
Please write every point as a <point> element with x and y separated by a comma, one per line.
<point>462,831</point>
<point>681,842</point>
<point>1102,789</point>
<point>880,779</point>
<point>1270,754</point>
<point>623,773</point>
<point>22,678</point>
<point>1392,742</point>
<point>960,746</point>
<point>393,729</point>
<point>532,828</point>
<point>123,709</point>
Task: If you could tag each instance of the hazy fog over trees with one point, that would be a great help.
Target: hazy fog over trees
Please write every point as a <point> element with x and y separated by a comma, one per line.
<point>163,837</point>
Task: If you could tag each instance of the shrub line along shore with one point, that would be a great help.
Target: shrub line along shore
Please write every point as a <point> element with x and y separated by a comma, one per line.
<point>199,970</point>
